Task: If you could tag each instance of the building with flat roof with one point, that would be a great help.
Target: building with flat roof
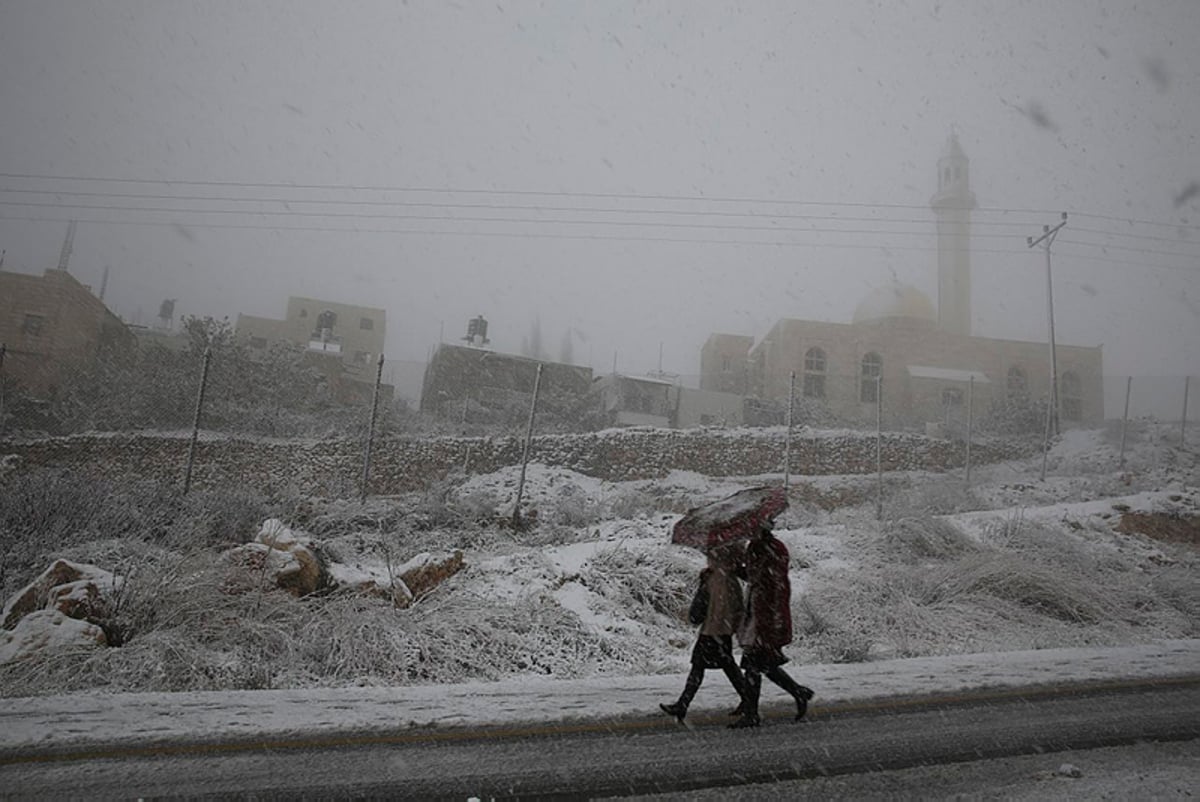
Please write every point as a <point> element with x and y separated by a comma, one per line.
<point>52,325</point>
<point>353,335</point>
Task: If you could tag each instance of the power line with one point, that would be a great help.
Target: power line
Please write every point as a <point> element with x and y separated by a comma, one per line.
<point>1176,240</point>
<point>476,219</point>
<point>593,238</point>
<point>489,206</point>
<point>509,234</point>
<point>1104,246</point>
<point>536,193</point>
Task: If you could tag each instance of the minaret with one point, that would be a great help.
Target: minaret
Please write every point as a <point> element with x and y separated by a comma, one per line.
<point>952,204</point>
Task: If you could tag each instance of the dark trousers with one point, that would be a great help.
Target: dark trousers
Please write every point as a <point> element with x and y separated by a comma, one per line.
<point>722,659</point>
<point>754,675</point>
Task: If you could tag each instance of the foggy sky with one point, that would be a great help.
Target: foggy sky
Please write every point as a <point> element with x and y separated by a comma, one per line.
<point>629,112</point>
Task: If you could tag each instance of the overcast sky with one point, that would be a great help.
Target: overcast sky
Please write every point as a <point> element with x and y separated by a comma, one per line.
<point>639,173</point>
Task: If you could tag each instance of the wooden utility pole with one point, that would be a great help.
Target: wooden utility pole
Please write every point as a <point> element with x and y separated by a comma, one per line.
<point>1046,240</point>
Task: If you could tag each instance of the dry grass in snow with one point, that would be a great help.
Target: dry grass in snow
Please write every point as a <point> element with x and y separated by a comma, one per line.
<point>595,588</point>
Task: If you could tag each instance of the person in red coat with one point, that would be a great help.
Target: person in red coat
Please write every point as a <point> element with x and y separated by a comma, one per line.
<point>768,626</point>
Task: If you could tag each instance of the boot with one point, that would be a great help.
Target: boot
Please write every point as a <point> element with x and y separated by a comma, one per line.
<point>803,695</point>
<point>677,710</point>
<point>747,720</point>
<point>738,711</point>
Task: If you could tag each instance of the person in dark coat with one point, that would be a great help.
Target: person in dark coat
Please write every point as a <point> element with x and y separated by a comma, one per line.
<point>721,617</point>
<point>768,627</point>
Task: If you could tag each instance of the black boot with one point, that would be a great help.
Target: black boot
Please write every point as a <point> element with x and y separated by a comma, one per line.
<point>747,720</point>
<point>739,710</point>
<point>675,709</point>
<point>803,694</point>
<point>748,709</point>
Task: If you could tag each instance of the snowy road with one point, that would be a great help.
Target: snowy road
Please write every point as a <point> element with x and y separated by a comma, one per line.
<point>638,755</point>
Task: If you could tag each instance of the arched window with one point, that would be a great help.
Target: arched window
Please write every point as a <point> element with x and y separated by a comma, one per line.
<point>1016,385</point>
<point>1072,396</point>
<point>814,373</point>
<point>872,369</point>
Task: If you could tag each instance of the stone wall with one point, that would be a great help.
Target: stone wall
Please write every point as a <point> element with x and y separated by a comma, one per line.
<point>334,467</point>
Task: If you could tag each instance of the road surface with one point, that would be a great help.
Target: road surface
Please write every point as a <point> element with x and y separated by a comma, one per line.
<point>635,756</point>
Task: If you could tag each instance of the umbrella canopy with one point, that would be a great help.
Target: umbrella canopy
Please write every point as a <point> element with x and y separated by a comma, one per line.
<point>736,517</point>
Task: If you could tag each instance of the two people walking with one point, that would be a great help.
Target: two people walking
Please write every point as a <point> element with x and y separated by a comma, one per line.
<point>762,630</point>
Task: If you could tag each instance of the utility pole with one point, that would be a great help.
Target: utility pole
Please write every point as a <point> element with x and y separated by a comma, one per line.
<point>1046,240</point>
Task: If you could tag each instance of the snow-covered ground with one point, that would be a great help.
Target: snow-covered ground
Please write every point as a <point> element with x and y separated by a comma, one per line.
<point>80,720</point>
<point>1110,604</point>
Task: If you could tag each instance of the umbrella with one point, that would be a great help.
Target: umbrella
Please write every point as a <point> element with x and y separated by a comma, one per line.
<point>736,517</point>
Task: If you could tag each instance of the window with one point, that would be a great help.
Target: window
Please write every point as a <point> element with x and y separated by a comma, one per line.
<point>726,363</point>
<point>33,325</point>
<point>258,342</point>
<point>1071,396</point>
<point>1016,383</point>
<point>872,370</point>
<point>303,313</point>
<point>366,324</point>
<point>814,373</point>
<point>952,397</point>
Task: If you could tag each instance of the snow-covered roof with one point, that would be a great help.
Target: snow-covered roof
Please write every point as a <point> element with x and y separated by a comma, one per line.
<point>947,374</point>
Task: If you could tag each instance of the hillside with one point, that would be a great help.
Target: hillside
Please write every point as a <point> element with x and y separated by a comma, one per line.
<point>1092,556</point>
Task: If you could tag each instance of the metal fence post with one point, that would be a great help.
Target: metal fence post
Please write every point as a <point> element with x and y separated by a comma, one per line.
<point>3,349</point>
<point>366,471</point>
<point>787,442</point>
<point>879,446</point>
<point>191,458</point>
<point>1125,420</point>
<point>970,421</point>
<point>1187,380</point>
<point>537,383</point>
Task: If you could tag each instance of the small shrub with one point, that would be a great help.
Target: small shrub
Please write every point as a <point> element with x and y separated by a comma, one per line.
<point>926,538</point>
<point>639,582</point>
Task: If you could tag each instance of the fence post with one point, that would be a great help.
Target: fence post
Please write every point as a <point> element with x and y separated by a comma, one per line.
<point>191,458</point>
<point>537,383</point>
<point>787,442</point>
<point>879,446</point>
<point>1125,419</point>
<point>3,349</point>
<point>1183,422</point>
<point>970,421</point>
<point>366,471</point>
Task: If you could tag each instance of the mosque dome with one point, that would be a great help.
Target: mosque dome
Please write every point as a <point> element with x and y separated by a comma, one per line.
<point>896,302</point>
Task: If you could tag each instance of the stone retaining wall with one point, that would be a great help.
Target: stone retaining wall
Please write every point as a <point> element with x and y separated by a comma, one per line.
<point>334,467</point>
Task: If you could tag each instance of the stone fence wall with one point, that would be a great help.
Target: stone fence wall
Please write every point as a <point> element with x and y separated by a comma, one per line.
<point>333,468</point>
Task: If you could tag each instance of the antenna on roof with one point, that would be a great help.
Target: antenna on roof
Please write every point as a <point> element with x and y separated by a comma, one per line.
<point>64,258</point>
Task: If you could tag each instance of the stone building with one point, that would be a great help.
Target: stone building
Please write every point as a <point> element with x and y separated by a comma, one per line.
<point>651,401</point>
<point>923,358</point>
<point>353,335</point>
<point>51,325</point>
<point>458,375</point>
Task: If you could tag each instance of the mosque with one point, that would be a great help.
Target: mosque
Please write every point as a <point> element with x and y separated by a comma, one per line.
<point>904,358</point>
